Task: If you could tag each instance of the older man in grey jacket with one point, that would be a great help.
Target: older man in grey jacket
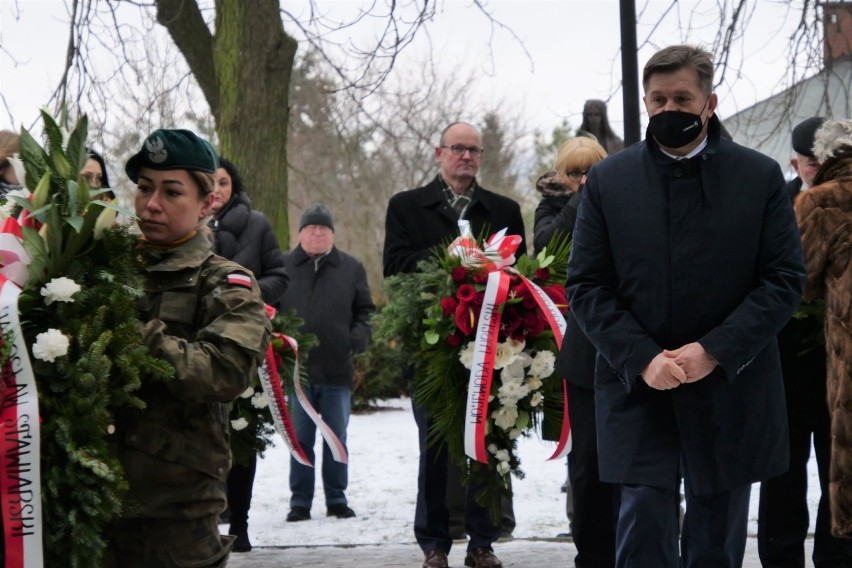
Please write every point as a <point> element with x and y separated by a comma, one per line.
<point>329,290</point>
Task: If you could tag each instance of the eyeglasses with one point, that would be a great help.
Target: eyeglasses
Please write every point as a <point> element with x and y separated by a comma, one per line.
<point>575,175</point>
<point>460,149</point>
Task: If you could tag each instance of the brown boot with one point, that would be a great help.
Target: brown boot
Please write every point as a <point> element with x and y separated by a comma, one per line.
<point>436,559</point>
<point>482,558</point>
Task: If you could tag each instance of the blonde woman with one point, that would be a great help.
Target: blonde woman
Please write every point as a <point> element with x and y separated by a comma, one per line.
<point>592,521</point>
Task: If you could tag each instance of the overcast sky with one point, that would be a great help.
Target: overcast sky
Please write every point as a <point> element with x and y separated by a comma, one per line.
<point>566,51</point>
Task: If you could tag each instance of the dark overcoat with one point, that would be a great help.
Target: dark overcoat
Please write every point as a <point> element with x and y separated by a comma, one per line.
<point>332,295</point>
<point>576,359</point>
<point>421,220</point>
<point>245,236</point>
<point>667,253</point>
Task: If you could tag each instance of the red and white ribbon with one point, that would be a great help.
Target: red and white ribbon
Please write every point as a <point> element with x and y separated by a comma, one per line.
<point>497,259</point>
<point>20,469</point>
<point>270,380</point>
<point>272,387</point>
<point>557,323</point>
<point>563,447</point>
<point>482,367</point>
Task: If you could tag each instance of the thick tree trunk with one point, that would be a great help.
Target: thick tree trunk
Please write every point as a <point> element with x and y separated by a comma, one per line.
<point>254,62</point>
<point>244,71</point>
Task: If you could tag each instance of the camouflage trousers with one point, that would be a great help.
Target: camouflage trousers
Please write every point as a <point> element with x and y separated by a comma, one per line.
<point>167,543</point>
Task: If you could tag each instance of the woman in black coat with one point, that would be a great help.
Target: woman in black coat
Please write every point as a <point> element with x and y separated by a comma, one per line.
<point>244,236</point>
<point>593,523</point>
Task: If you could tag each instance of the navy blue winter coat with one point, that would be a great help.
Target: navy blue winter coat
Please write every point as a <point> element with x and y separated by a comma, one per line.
<point>666,253</point>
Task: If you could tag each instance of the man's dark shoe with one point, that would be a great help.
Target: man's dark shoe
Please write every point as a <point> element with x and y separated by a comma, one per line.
<point>298,514</point>
<point>340,510</point>
<point>242,544</point>
<point>436,559</point>
<point>482,558</point>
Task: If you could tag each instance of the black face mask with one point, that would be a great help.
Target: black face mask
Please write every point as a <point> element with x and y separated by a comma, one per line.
<point>675,128</point>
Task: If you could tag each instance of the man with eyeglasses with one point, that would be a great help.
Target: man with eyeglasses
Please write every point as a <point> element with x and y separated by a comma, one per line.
<point>419,223</point>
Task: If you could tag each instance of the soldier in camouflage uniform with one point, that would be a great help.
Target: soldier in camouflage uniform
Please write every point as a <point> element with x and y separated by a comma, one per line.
<point>205,316</point>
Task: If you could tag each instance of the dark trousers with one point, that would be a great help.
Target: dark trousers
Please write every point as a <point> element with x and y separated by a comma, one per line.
<point>166,543</point>
<point>783,515</point>
<point>595,502</point>
<point>456,496</point>
<point>432,516</point>
<point>240,484</point>
<point>713,533</point>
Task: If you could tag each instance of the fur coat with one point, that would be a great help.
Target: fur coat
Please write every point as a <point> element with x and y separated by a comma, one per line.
<point>824,214</point>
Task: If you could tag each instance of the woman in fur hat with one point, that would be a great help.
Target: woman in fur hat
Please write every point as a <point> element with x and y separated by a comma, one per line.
<point>824,214</point>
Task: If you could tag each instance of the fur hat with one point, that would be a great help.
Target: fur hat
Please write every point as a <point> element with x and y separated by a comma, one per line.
<point>803,136</point>
<point>316,214</point>
<point>166,149</point>
<point>833,138</point>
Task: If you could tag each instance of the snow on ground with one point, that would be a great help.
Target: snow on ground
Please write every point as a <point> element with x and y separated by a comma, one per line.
<point>383,488</point>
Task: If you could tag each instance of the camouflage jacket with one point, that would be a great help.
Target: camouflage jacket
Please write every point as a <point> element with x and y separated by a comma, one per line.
<point>205,316</point>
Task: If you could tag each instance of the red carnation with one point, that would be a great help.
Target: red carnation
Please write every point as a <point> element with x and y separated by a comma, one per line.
<point>480,278</point>
<point>448,306</point>
<point>459,274</point>
<point>542,274</point>
<point>466,293</point>
<point>454,340</point>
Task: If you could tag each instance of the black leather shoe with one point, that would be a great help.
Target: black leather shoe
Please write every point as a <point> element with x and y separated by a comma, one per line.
<point>482,558</point>
<point>340,510</point>
<point>242,544</point>
<point>298,514</point>
<point>436,559</point>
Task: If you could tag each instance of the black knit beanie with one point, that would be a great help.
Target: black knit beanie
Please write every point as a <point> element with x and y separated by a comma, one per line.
<point>316,214</point>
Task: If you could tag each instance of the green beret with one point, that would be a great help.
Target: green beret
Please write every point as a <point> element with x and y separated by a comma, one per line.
<point>166,149</point>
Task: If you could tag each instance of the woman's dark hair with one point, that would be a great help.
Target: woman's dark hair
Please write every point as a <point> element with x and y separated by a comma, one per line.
<point>100,160</point>
<point>236,180</point>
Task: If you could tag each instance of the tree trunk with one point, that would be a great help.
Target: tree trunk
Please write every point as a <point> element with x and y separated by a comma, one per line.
<point>252,61</point>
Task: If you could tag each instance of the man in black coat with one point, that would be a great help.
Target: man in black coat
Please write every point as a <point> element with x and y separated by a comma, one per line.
<point>686,264</point>
<point>419,222</point>
<point>329,290</point>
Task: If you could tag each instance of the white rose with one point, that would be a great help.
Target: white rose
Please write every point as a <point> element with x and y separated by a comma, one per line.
<point>503,357</point>
<point>511,393</point>
<point>514,434</point>
<point>248,393</point>
<point>50,345</point>
<point>543,364</point>
<point>515,345</point>
<point>514,371</point>
<point>534,382</point>
<point>239,424</point>
<point>536,399</point>
<point>505,416</point>
<point>466,355</point>
<point>59,290</point>
<point>9,205</point>
<point>502,455</point>
<point>492,448</point>
<point>503,468</point>
<point>259,400</point>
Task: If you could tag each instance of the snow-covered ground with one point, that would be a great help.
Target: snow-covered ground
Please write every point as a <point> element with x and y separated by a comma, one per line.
<point>383,487</point>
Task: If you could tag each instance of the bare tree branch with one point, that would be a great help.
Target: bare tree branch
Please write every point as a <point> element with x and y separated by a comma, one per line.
<point>191,35</point>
